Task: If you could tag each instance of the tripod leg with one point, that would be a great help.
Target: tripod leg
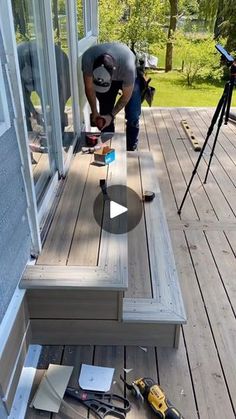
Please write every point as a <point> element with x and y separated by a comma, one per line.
<point>222,103</point>
<point>230,93</point>
<point>225,108</point>
<point>193,173</point>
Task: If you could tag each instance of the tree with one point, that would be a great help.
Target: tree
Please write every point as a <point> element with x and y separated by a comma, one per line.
<point>209,10</point>
<point>143,24</point>
<point>110,20</point>
<point>56,25</point>
<point>220,15</point>
<point>20,20</point>
<point>171,32</point>
<point>199,58</point>
<point>138,23</point>
<point>219,19</point>
<point>228,25</point>
<point>80,19</point>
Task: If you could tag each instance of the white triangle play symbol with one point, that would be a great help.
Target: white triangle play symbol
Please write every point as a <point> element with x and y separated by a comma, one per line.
<point>116,209</point>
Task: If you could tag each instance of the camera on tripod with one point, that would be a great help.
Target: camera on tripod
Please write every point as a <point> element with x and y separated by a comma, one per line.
<point>225,55</point>
<point>222,112</point>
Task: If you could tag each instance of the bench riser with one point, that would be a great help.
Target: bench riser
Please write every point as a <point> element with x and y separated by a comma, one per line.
<point>103,332</point>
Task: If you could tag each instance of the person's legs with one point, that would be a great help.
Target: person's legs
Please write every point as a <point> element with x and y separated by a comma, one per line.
<point>27,103</point>
<point>107,102</point>
<point>64,94</point>
<point>132,114</point>
<point>64,118</point>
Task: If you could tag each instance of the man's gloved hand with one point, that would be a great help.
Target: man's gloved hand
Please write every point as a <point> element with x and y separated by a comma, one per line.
<point>109,118</point>
<point>100,122</point>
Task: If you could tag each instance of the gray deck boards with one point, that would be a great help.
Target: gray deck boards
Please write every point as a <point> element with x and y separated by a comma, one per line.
<point>199,377</point>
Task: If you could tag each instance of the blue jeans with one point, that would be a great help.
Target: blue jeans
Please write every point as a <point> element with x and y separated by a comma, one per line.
<point>132,110</point>
<point>132,114</point>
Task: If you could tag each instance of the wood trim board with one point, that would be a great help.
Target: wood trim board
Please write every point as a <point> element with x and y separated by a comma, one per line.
<point>102,332</point>
<point>73,304</point>
<point>17,369</point>
<point>10,351</point>
<point>165,283</point>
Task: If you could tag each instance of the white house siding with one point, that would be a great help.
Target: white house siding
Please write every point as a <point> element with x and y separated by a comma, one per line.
<point>14,227</point>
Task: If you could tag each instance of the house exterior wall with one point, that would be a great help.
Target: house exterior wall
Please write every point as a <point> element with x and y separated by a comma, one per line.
<point>14,227</point>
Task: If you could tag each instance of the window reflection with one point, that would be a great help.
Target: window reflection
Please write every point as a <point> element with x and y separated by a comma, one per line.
<point>80,19</point>
<point>27,39</point>
<point>60,33</point>
<point>88,15</point>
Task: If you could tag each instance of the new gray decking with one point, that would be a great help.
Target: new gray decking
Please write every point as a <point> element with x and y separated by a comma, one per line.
<point>199,377</point>
<point>75,292</point>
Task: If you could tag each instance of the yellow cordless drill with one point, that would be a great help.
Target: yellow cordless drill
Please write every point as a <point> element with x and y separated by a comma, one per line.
<point>147,389</point>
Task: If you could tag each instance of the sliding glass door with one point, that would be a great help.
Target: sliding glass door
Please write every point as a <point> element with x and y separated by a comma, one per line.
<point>43,46</point>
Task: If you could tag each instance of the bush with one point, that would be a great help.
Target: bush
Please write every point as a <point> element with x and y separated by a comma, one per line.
<point>199,57</point>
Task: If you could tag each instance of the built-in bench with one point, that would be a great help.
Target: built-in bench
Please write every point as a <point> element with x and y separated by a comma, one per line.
<point>70,303</point>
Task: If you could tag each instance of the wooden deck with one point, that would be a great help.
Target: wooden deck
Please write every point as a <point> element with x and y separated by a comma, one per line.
<point>198,377</point>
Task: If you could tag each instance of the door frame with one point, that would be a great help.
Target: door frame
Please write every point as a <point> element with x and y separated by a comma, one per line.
<point>43,22</point>
<point>13,72</point>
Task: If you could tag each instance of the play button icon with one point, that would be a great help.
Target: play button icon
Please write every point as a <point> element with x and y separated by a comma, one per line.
<point>117,209</point>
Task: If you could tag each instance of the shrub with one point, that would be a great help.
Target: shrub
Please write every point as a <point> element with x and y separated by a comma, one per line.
<point>199,57</point>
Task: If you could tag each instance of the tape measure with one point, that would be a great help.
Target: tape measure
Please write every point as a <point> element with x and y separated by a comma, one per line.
<point>148,196</point>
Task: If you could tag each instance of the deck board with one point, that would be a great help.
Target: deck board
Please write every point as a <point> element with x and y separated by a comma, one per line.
<point>204,365</point>
<point>225,159</point>
<point>199,377</point>
<point>173,168</point>
<point>174,364</point>
<point>137,244</point>
<point>225,136</point>
<point>85,242</point>
<point>215,194</point>
<point>162,172</point>
<point>58,242</point>
<point>217,305</point>
<point>142,361</point>
<point>185,152</point>
<point>74,355</point>
<point>220,175</point>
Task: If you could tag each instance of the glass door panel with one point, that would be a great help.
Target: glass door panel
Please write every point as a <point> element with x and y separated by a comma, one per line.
<point>33,68</point>
<point>63,63</point>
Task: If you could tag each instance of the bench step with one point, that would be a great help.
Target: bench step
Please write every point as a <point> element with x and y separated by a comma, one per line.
<point>149,310</point>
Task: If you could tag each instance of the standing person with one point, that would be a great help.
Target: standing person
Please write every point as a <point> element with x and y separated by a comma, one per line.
<point>108,68</point>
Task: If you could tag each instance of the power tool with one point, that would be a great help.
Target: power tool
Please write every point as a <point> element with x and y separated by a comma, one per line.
<point>147,389</point>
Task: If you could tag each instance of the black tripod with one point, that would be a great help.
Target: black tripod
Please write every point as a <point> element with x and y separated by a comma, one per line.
<point>222,109</point>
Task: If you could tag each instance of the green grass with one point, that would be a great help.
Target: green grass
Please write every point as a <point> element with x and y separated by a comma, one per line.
<point>171,90</point>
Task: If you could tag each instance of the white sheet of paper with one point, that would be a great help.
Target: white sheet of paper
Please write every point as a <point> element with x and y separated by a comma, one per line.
<point>95,378</point>
<point>45,398</point>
